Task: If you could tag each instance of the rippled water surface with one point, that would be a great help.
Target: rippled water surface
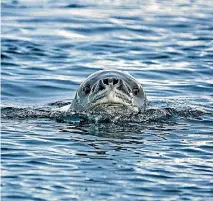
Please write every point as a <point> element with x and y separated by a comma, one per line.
<point>49,47</point>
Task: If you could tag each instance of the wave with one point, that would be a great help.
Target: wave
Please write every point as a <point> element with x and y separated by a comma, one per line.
<point>108,115</point>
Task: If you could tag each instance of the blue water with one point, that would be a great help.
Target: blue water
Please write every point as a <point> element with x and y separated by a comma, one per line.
<point>50,47</point>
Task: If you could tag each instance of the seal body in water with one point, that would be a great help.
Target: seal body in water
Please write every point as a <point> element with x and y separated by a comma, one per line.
<point>109,89</point>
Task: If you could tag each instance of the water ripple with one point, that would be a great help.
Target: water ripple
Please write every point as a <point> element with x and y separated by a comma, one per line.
<point>50,47</point>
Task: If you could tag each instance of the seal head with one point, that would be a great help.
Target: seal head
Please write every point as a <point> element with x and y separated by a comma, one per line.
<point>108,88</point>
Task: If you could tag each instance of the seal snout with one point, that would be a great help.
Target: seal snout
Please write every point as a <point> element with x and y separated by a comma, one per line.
<point>107,84</point>
<point>110,81</point>
<point>111,90</point>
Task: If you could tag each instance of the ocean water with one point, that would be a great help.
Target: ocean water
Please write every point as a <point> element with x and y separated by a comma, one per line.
<point>49,47</point>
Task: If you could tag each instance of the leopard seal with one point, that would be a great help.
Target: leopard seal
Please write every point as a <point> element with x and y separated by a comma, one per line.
<point>109,88</point>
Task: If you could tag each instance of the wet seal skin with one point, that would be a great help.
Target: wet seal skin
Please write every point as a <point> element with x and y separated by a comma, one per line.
<point>107,89</point>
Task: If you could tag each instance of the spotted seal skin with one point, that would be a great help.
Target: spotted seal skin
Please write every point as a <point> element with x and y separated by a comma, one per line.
<point>106,88</point>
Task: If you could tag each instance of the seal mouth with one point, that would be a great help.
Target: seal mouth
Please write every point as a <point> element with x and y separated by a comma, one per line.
<point>112,106</point>
<point>107,104</point>
<point>110,99</point>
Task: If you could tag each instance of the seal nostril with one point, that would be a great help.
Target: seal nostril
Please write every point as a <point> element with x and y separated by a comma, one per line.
<point>115,81</point>
<point>106,81</point>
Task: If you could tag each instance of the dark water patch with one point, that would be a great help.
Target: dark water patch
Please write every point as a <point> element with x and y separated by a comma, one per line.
<point>4,56</point>
<point>5,63</point>
<point>73,5</point>
<point>19,47</point>
<point>38,68</point>
<point>22,197</point>
<point>18,87</point>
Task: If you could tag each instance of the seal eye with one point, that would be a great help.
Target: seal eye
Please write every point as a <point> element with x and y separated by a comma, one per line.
<point>106,81</point>
<point>135,90</point>
<point>87,89</point>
